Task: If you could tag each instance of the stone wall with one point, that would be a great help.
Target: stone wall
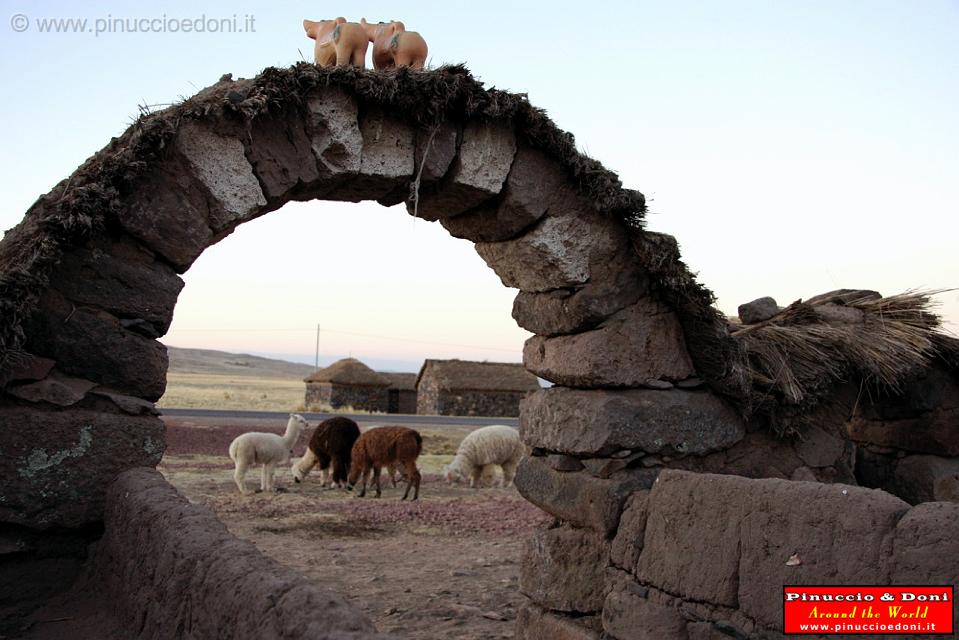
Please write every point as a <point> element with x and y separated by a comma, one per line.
<point>703,555</point>
<point>338,396</point>
<point>402,401</point>
<point>166,568</point>
<point>472,403</point>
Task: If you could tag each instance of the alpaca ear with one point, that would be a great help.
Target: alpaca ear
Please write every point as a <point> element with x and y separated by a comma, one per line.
<point>340,20</point>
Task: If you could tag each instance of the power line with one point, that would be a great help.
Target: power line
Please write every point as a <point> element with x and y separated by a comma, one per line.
<point>350,333</point>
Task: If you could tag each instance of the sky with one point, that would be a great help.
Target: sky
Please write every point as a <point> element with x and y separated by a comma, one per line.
<point>791,147</point>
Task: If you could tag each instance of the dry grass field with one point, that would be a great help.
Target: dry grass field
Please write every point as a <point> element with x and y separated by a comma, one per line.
<point>220,391</point>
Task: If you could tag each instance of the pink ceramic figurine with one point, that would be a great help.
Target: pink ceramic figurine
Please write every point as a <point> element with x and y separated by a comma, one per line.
<point>394,46</point>
<point>338,42</point>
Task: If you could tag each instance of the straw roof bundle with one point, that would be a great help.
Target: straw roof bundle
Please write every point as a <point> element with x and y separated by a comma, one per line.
<point>795,359</point>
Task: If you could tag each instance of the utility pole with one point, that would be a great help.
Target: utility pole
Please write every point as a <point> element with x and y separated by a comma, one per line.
<point>316,360</point>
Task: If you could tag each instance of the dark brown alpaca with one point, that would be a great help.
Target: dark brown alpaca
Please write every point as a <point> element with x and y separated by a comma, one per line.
<point>330,445</point>
<point>382,447</point>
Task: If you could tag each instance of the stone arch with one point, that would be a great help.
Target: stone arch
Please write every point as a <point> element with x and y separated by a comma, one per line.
<point>647,373</point>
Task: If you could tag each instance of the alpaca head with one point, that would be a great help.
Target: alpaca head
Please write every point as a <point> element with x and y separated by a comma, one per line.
<point>296,423</point>
<point>453,476</point>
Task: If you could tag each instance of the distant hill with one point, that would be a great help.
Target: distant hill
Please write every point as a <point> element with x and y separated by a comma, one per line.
<point>208,361</point>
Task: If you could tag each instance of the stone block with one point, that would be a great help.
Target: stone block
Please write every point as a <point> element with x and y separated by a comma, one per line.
<point>56,464</point>
<point>926,479</point>
<point>220,164</point>
<point>628,544</point>
<point>564,569</point>
<point>640,343</point>
<point>600,422</point>
<point>386,161</point>
<point>559,252</point>
<point>57,389</point>
<point>122,279</point>
<point>169,211</point>
<point>627,616</point>
<point>535,623</point>
<point>92,344</point>
<point>758,310</point>
<point>281,153</point>
<point>579,498</point>
<point>435,151</point>
<point>479,171</point>
<point>926,547</point>
<point>25,366</point>
<point>337,142</point>
<point>535,185</point>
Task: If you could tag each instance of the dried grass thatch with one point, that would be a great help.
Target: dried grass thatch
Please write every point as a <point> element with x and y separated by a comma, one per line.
<point>348,371</point>
<point>795,359</point>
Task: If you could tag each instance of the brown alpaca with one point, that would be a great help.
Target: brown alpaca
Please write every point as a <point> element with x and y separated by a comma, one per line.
<point>330,446</point>
<point>382,447</point>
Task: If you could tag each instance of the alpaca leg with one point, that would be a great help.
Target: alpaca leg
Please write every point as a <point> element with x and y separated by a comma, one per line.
<point>376,478</point>
<point>412,478</point>
<point>509,472</point>
<point>475,477</point>
<point>239,476</point>
<point>264,482</point>
<point>363,477</point>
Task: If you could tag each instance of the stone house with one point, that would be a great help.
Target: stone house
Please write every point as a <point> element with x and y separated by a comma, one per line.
<point>401,392</point>
<point>465,388</point>
<point>347,383</point>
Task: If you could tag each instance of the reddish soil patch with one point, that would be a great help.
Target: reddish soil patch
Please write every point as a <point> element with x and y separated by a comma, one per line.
<point>444,566</point>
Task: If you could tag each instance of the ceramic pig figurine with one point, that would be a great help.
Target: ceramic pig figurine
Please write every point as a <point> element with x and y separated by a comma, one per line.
<point>338,42</point>
<point>394,46</point>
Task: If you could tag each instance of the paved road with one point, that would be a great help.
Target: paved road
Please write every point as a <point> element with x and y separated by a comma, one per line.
<point>362,418</point>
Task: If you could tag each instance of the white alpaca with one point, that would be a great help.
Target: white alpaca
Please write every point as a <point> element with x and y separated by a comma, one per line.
<point>267,449</point>
<point>493,445</point>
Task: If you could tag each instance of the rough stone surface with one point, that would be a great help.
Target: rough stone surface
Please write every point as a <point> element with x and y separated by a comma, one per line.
<point>482,164</point>
<point>558,252</point>
<point>564,569</point>
<point>168,210</point>
<point>167,564</point>
<point>845,296</point>
<point>613,286</point>
<point>56,464</point>
<point>534,186</point>
<point>281,154</point>
<point>627,616</point>
<point>600,422</point>
<point>725,540</point>
<point>335,132</point>
<point>758,310</point>
<point>757,455</point>
<point>435,151</point>
<point>705,631</point>
<point>922,419</point>
<point>220,164</point>
<point>926,479</point>
<point>926,547</point>
<point>94,345</point>
<point>128,404</point>
<point>579,498</point>
<point>640,343</point>
<point>628,544</point>
<point>55,389</point>
<point>26,367</point>
<point>560,462</point>
<point>386,162</point>
<point>606,467</point>
<point>535,623</point>
<point>123,279</point>
<point>819,446</point>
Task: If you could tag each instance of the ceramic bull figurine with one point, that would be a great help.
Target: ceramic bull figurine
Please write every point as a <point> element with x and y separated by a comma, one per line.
<point>338,42</point>
<point>394,46</point>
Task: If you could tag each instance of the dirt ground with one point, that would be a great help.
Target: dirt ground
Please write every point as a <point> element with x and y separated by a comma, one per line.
<point>446,566</point>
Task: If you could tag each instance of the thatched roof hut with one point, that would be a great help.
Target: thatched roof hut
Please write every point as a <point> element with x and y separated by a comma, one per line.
<point>347,383</point>
<point>463,387</point>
